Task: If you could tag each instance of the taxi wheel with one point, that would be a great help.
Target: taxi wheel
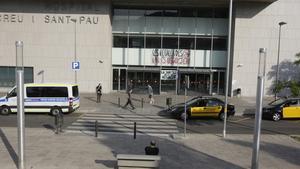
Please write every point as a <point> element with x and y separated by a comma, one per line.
<point>5,110</point>
<point>182,116</point>
<point>222,116</point>
<point>276,116</point>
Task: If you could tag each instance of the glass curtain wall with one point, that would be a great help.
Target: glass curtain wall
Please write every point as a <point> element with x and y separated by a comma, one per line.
<point>170,39</point>
<point>8,75</point>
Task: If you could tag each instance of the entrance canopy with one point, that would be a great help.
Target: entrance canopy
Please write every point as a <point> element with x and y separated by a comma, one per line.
<point>182,3</point>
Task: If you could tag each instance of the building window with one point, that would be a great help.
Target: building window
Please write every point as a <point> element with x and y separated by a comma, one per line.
<point>188,12</point>
<point>221,13</point>
<point>187,42</point>
<point>170,42</point>
<point>220,44</point>
<point>120,41</point>
<point>203,43</point>
<point>170,13</point>
<point>8,75</point>
<point>205,13</point>
<point>136,41</point>
<point>153,41</point>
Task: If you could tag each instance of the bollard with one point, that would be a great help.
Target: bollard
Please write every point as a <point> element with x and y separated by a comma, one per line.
<point>119,101</point>
<point>56,123</point>
<point>142,102</point>
<point>134,130</point>
<point>61,122</point>
<point>96,128</point>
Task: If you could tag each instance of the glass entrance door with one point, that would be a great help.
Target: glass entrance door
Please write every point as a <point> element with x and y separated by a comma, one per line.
<point>199,83</point>
<point>119,79</point>
<point>140,80</point>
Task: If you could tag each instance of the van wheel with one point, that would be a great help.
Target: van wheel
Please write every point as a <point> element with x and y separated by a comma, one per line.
<point>55,111</point>
<point>5,110</point>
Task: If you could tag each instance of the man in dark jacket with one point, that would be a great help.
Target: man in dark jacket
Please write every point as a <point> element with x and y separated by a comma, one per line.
<point>129,101</point>
<point>99,92</point>
<point>151,149</point>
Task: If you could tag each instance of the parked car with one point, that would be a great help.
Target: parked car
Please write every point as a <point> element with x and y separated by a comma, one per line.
<point>282,108</point>
<point>202,107</point>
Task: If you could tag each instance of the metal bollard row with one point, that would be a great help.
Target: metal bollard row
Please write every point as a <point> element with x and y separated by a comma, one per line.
<point>58,121</point>
<point>96,128</point>
<point>134,130</point>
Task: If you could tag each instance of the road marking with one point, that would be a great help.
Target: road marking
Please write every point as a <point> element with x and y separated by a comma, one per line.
<point>240,120</point>
<point>148,124</point>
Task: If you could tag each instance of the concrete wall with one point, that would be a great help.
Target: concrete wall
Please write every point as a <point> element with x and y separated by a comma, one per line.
<point>256,26</point>
<point>48,33</point>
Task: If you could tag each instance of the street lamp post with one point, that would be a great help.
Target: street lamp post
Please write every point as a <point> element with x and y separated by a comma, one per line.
<point>75,50</point>
<point>259,103</point>
<point>20,104</point>
<point>227,68</point>
<point>277,70</point>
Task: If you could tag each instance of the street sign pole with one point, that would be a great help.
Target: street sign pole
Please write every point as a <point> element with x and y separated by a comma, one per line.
<point>20,102</point>
<point>185,110</point>
<point>187,85</point>
<point>259,101</point>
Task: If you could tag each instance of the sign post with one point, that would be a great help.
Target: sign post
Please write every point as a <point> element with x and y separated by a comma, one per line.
<point>187,85</point>
<point>259,100</point>
<point>20,102</point>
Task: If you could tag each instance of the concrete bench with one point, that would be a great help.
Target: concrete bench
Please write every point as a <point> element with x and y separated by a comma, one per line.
<point>132,161</point>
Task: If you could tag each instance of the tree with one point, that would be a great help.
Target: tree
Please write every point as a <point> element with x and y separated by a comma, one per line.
<point>297,62</point>
<point>293,85</point>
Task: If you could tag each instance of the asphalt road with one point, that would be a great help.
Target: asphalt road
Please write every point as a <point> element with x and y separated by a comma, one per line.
<point>37,120</point>
<point>235,125</point>
<point>241,125</point>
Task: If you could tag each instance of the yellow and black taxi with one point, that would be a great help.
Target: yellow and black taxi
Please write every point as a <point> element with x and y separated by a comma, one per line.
<point>282,109</point>
<point>202,107</point>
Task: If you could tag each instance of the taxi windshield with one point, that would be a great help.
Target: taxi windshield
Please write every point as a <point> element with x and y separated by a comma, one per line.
<point>192,100</point>
<point>277,102</point>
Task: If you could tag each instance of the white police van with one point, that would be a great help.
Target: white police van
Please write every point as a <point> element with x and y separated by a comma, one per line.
<point>49,98</point>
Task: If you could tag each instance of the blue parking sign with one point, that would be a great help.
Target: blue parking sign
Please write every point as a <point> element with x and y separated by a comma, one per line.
<point>75,65</point>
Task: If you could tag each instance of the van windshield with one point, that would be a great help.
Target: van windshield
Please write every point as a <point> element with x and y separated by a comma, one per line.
<point>12,93</point>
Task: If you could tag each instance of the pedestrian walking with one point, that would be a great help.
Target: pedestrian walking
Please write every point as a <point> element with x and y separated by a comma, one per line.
<point>129,92</point>
<point>99,92</point>
<point>150,93</point>
<point>152,149</point>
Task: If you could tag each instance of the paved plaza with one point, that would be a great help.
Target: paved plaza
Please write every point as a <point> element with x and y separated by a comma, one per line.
<point>82,150</point>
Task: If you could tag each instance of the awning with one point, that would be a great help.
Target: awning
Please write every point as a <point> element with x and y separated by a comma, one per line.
<point>181,3</point>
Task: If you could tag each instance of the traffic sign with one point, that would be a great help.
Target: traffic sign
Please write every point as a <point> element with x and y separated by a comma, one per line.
<point>75,65</point>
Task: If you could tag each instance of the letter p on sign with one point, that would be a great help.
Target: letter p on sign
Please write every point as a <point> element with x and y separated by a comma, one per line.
<point>75,65</point>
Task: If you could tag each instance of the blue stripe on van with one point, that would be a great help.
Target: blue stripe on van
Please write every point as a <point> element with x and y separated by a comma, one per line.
<point>65,99</point>
<point>3,100</point>
<point>76,98</point>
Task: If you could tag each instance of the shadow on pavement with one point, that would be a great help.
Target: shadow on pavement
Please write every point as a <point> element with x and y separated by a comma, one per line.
<point>174,155</point>
<point>107,163</point>
<point>49,127</point>
<point>91,99</point>
<point>276,150</point>
<point>9,148</point>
